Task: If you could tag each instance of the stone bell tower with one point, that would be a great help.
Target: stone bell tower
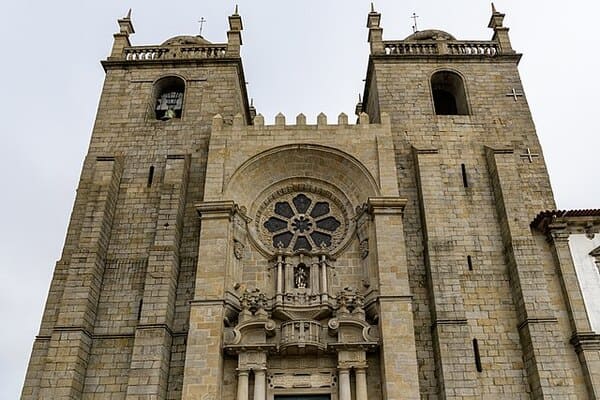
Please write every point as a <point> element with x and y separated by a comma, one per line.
<point>212,256</point>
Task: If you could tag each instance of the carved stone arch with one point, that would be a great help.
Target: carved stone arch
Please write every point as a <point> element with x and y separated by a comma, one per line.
<point>175,83</point>
<point>299,161</point>
<point>330,177</point>
<point>456,86</point>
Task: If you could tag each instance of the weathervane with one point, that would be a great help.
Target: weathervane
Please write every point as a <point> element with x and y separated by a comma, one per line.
<point>415,16</point>
<point>202,21</point>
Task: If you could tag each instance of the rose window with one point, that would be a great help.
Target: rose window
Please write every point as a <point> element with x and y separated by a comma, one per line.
<point>302,223</point>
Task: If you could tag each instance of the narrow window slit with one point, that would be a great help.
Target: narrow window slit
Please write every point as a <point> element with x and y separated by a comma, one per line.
<point>464,175</point>
<point>470,263</point>
<point>477,356</point>
<point>139,314</point>
<point>150,176</point>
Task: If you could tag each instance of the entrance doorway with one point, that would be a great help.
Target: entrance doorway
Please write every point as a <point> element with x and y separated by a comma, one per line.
<point>304,397</point>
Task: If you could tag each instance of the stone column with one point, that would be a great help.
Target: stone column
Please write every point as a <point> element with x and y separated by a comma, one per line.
<point>260,385</point>
<point>242,389</point>
<point>344,382</point>
<point>279,284</point>
<point>361,383</point>
<point>324,285</point>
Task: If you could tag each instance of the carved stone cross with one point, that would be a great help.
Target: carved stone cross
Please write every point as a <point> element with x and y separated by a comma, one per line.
<point>514,94</point>
<point>529,155</point>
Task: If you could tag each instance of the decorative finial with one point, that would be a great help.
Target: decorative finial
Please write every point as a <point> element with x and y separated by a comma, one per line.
<point>251,102</point>
<point>236,10</point>
<point>128,14</point>
<point>372,7</point>
<point>494,8</point>
<point>359,98</point>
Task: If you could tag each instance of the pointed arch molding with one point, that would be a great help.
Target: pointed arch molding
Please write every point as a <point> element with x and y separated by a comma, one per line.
<point>298,163</point>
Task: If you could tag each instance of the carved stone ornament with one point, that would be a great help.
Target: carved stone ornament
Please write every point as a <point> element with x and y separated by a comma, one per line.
<point>301,380</point>
<point>363,247</point>
<point>350,299</point>
<point>238,249</point>
<point>589,231</point>
<point>253,300</point>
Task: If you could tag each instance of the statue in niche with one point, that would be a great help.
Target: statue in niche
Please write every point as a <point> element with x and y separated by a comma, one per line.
<point>301,277</point>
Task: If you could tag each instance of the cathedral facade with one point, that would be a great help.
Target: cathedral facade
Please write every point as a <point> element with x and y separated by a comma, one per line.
<point>410,255</point>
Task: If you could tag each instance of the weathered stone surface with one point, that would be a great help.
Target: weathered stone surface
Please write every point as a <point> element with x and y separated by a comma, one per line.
<point>213,256</point>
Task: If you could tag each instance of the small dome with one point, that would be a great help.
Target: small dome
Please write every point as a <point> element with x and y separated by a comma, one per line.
<point>185,40</point>
<point>431,34</point>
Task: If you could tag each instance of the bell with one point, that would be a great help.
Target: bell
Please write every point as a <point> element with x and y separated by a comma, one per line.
<point>169,114</point>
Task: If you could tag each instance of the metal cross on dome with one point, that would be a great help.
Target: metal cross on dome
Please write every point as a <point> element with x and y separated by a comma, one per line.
<point>202,21</point>
<point>414,17</point>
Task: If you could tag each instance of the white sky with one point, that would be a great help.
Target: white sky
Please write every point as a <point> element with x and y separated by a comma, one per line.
<point>303,56</point>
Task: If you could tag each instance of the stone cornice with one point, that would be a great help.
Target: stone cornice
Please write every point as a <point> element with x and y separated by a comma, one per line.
<point>386,205</point>
<point>216,209</point>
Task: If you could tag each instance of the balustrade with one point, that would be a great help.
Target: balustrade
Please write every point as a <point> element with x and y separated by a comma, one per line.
<point>146,53</point>
<point>410,48</point>
<point>301,334</point>
<point>471,48</point>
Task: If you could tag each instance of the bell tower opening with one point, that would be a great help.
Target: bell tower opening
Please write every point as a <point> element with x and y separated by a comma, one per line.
<point>168,98</point>
<point>449,97</point>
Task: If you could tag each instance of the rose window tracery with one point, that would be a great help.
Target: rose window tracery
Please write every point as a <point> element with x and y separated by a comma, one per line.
<point>304,221</point>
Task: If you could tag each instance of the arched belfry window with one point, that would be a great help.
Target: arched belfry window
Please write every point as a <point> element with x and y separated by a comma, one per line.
<point>449,97</point>
<point>168,98</point>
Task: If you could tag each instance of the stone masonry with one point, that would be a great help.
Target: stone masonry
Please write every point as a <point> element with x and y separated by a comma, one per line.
<point>407,256</point>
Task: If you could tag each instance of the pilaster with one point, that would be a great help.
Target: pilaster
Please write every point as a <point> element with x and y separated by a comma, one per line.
<point>586,343</point>
<point>148,375</point>
<point>203,371</point>
<point>398,352</point>
<point>543,349</point>
<point>451,334</point>
<point>71,339</point>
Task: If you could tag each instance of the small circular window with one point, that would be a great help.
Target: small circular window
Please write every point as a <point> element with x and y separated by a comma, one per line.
<point>302,221</point>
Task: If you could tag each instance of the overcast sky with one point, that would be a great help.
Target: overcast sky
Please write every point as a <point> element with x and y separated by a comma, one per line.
<point>299,56</point>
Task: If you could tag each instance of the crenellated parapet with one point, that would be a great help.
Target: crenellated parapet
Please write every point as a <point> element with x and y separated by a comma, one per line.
<point>362,122</point>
